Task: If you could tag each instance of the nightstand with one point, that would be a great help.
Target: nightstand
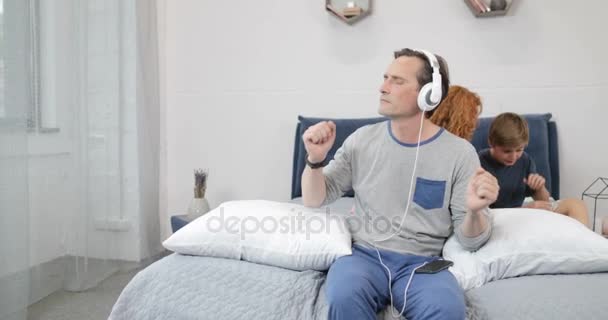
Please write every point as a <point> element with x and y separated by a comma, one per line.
<point>177,222</point>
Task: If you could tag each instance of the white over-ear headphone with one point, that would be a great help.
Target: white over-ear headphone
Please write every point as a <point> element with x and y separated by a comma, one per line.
<point>430,93</point>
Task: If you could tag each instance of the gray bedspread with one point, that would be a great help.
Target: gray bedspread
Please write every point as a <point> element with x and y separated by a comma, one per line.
<point>555,297</point>
<point>187,287</point>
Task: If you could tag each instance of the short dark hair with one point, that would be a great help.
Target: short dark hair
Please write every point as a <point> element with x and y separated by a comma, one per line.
<point>425,75</point>
<point>508,130</point>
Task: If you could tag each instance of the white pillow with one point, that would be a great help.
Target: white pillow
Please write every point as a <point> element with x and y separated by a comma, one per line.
<point>527,242</point>
<point>280,234</point>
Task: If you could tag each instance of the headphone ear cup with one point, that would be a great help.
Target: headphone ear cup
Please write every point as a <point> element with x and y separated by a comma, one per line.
<point>424,98</point>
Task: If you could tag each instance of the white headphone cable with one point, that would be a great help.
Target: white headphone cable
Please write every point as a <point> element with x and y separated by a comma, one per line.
<point>390,286</point>
<point>409,195</point>
<point>390,289</point>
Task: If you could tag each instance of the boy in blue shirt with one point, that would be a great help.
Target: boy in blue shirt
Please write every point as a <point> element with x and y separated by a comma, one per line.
<point>516,171</point>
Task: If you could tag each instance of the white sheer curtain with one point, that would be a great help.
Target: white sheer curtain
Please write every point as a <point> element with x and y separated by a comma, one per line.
<point>80,201</point>
<point>14,164</point>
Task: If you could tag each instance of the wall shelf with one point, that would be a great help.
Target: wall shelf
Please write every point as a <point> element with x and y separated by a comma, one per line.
<point>349,11</point>
<point>482,8</point>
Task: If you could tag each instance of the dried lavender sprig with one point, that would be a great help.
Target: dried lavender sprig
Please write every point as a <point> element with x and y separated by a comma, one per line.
<point>200,178</point>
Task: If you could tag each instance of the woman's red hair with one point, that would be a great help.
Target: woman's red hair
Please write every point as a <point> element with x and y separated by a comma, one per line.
<point>458,112</point>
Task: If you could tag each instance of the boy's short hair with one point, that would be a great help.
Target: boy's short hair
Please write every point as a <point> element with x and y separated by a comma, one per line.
<point>508,130</point>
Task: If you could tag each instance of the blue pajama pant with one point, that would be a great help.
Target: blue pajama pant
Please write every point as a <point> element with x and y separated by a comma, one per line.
<point>357,287</point>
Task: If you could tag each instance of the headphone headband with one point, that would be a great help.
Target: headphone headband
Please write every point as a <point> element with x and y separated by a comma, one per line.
<point>432,59</point>
<point>430,93</point>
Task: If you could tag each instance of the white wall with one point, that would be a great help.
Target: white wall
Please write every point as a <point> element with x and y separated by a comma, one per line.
<point>237,75</point>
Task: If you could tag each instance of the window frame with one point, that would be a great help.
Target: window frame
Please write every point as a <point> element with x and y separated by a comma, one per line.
<point>32,119</point>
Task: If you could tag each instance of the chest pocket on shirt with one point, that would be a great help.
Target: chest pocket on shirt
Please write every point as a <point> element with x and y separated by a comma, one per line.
<point>429,194</point>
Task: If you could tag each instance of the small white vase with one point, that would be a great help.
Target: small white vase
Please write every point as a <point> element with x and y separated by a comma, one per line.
<point>198,207</point>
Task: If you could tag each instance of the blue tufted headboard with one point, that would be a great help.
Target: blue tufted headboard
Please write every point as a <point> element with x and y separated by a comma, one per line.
<point>542,147</point>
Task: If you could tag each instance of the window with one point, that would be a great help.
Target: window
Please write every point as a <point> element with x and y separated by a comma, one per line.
<point>15,61</point>
<point>20,53</point>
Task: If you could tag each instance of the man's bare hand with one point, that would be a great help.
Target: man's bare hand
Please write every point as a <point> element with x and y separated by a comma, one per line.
<point>318,139</point>
<point>482,190</point>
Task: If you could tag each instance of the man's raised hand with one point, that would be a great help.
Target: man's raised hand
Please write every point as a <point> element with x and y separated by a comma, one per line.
<point>318,139</point>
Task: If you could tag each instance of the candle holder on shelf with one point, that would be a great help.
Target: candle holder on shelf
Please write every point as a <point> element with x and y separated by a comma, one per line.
<point>489,8</point>
<point>349,11</point>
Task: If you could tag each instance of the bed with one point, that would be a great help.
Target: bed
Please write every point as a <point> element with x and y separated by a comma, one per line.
<point>194,287</point>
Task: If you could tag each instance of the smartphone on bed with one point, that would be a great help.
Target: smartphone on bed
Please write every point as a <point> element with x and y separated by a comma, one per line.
<point>435,266</point>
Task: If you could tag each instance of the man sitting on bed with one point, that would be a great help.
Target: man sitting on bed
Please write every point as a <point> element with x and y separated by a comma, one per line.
<point>451,195</point>
<point>516,171</point>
